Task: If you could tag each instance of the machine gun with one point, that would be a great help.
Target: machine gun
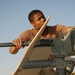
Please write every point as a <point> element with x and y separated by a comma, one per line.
<point>61,47</point>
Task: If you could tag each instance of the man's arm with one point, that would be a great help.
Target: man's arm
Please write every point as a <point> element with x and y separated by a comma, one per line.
<point>70,28</point>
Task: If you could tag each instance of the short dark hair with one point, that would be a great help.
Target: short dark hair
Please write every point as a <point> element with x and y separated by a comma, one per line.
<point>32,13</point>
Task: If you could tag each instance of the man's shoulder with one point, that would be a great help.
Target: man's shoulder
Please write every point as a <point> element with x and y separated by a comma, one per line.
<point>55,25</point>
<point>59,25</point>
<point>29,30</point>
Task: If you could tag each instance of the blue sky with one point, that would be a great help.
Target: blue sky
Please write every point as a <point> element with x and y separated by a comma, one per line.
<point>14,20</point>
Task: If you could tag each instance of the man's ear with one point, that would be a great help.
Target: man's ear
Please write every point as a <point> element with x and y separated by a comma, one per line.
<point>32,23</point>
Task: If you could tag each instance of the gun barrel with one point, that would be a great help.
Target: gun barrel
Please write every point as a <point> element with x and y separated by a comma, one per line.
<point>9,44</point>
<point>42,42</point>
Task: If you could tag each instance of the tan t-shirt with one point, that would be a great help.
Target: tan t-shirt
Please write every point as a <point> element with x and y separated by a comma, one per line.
<point>50,32</point>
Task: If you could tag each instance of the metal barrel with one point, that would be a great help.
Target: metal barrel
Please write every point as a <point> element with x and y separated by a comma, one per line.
<point>42,42</point>
<point>9,44</point>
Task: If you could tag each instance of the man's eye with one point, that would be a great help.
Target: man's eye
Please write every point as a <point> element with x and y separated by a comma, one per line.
<point>42,17</point>
<point>39,18</point>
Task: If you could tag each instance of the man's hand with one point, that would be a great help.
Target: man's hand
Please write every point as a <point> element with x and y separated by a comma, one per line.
<point>18,43</point>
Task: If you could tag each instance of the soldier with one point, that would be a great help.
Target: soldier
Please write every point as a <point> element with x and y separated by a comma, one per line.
<point>37,19</point>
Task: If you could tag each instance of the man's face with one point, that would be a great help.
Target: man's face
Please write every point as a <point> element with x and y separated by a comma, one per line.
<point>38,20</point>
